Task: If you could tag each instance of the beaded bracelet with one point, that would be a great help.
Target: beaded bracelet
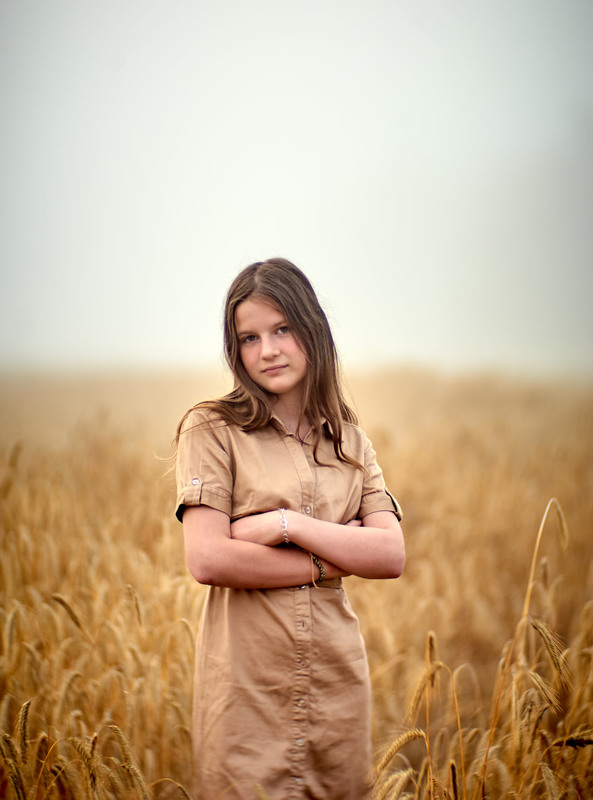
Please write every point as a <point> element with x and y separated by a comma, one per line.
<point>284,526</point>
<point>317,562</point>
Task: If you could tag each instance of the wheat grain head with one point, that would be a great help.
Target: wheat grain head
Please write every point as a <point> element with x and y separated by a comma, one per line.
<point>397,744</point>
<point>21,724</point>
<point>89,762</point>
<point>394,784</point>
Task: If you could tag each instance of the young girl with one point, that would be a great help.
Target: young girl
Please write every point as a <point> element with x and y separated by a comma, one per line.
<point>280,497</point>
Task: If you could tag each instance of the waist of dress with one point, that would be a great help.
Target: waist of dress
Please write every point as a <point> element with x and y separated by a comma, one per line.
<point>331,583</point>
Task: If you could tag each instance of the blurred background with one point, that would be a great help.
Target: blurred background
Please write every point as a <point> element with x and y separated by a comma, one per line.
<point>428,165</point>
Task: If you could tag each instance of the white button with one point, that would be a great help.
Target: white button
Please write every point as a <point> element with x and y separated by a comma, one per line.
<point>307,509</point>
<point>300,742</point>
<point>195,481</point>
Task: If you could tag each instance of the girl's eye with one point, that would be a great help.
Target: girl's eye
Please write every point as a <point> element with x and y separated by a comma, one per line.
<point>284,329</point>
<point>248,339</point>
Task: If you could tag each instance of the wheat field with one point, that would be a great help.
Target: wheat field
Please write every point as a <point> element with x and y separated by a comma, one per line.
<point>481,654</point>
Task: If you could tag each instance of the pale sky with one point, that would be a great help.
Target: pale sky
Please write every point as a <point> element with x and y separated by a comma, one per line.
<point>429,165</point>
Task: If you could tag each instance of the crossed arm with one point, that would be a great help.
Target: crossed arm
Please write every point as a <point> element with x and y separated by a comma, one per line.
<point>243,555</point>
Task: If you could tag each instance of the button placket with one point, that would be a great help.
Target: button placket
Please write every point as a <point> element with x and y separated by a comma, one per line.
<point>306,473</point>
<point>300,689</point>
<point>298,751</point>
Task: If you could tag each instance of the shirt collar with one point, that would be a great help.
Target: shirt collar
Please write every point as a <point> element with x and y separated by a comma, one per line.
<point>280,426</point>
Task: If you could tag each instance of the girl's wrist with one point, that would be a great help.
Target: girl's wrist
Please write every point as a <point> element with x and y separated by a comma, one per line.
<point>293,519</point>
<point>319,564</point>
<point>284,526</point>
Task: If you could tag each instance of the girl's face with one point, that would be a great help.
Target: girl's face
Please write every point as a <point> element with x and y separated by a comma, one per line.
<point>271,354</point>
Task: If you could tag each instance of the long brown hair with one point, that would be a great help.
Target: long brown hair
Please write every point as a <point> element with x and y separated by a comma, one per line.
<point>284,286</point>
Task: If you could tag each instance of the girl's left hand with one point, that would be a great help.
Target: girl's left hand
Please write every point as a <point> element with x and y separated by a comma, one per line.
<point>258,528</point>
<point>355,523</point>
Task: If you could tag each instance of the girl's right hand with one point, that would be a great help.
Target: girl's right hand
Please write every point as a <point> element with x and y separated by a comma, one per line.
<point>331,571</point>
<point>258,528</point>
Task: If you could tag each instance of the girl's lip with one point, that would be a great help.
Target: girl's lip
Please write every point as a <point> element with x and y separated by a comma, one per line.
<point>275,368</point>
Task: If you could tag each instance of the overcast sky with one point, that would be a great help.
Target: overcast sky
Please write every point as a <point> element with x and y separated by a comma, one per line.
<point>429,165</point>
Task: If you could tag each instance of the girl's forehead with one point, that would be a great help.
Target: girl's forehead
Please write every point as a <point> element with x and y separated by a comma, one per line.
<point>257,308</point>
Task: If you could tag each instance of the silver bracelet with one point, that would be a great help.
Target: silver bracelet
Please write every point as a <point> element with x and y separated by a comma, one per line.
<point>284,526</point>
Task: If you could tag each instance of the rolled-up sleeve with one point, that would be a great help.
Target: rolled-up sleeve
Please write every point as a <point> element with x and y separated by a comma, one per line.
<point>375,495</point>
<point>204,464</point>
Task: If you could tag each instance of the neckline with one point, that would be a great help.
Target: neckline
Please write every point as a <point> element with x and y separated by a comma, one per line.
<point>285,429</point>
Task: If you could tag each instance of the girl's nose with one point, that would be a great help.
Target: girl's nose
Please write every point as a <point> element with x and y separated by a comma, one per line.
<point>269,347</point>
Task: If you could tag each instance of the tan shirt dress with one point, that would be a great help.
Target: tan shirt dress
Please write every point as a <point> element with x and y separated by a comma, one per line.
<point>282,693</point>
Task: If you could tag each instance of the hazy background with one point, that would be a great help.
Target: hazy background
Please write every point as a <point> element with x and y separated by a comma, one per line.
<point>429,165</point>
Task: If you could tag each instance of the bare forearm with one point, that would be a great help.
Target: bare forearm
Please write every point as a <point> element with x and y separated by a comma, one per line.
<point>370,552</point>
<point>375,550</point>
<point>246,565</point>
<point>243,555</point>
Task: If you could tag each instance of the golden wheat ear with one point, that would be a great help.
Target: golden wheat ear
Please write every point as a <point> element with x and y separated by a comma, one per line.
<point>397,744</point>
<point>394,785</point>
<point>554,649</point>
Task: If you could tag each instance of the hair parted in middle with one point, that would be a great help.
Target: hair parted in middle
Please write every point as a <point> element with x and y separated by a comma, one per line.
<point>283,285</point>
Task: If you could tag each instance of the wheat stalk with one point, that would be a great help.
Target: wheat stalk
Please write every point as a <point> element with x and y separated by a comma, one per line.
<point>69,610</point>
<point>42,743</point>
<point>8,753</point>
<point>552,785</point>
<point>404,738</point>
<point>553,502</point>
<point>548,693</point>
<point>8,746</point>
<point>123,743</point>
<point>134,596</point>
<point>21,725</point>
<point>5,712</point>
<point>10,635</point>
<point>182,790</point>
<point>553,648</point>
<point>454,781</point>
<point>69,679</point>
<point>17,781</point>
<point>137,778</point>
<point>394,784</point>
<point>59,771</point>
<point>86,755</point>
<point>426,679</point>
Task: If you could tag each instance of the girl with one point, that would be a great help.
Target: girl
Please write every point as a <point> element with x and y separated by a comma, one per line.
<point>280,497</point>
